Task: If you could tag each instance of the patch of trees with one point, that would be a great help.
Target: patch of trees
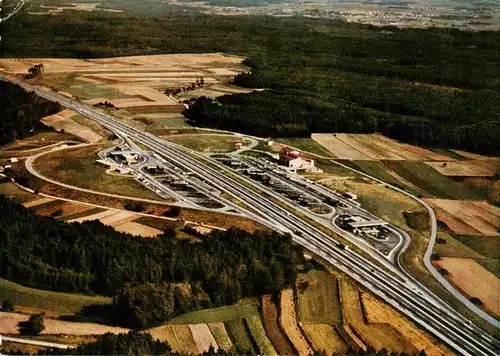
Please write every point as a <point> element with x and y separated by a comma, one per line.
<point>20,112</point>
<point>175,91</point>
<point>105,104</point>
<point>90,257</point>
<point>7,306</point>
<point>34,325</point>
<point>35,71</point>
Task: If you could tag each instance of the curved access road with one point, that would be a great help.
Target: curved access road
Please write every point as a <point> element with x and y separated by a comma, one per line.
<point>427,256</point>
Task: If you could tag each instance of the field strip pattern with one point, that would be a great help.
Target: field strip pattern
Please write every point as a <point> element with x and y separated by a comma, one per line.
<point>179,337</point>
<point>203,338</point>
<point>259,336</point>
<point>288,321</point>
<point>221,336</point>
<point>274,332</point>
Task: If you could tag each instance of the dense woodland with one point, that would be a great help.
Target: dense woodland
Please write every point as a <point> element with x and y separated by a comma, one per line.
<point>178,276</point>
<point>435,87</point>
<point>20,112</point>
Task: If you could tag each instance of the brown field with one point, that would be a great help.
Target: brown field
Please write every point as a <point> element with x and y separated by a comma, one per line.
<point>374,147</point>
<point>219,332</point>
<point>288,321</point>
<point>179,337</point>
<point>138,229</point>
<point>9,321</point>
<point>325,338</point>
<point>270,318</point>
<point>474,280</point>
<point>477,168</point>
<point>203,337</point>
<point>377,312</point>
<point>318,302</point>
<point>468,217</point>
<point>369,149</point>
<point>63,121</point>
<point>376,335</point>
<point>336,147</point>
<point>67,209</point>
<point>36,202</point>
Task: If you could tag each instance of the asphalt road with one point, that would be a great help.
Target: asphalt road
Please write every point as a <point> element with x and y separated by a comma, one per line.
<point>427,310</point>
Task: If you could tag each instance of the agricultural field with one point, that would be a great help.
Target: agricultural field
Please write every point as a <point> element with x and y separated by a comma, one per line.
<point>9,325</point>
<point>468,217</point>
<point>288,321</point>
<point>473,280</point>
<point>53,303</point>
<point>270,317</point>
<point>486,188</point>
<point>135,85</point>
<point>245,308</point>
<point>430,180</point>
<point>207,142</point>
<point>63,121</point>
<point>258,334</point>
<point>305,144</point>
<point>374,335</point>
<point>373,147</point>
<point>473,168</point>
<point>238,333</point>
<point>179,337</point>
<point>203,337</point>
<point>221,336</point>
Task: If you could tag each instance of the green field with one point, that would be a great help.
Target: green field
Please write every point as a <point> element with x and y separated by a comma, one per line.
<point>58,302</point>
<point>305,144</point>
<point>488,246</point>
<point>258,334</point>
<point>378,170</point>
<point>243,309</point>
<point>430,180</point>
<point>91,91</point>
<point>238,333</point>
<point>454,248</point>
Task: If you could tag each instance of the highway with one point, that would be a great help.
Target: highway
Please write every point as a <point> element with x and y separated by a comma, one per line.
<point>405,295</point>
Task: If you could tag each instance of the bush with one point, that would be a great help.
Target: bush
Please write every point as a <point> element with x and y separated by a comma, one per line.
<point>476,301</point>
<point>173,212</point>
<point>443,271</point>
<point>435,257</point>
<point>133,206</point>
<point>34,326</point>
<point>441,241</point>
<point>57,213</point>
<point>7,306</point>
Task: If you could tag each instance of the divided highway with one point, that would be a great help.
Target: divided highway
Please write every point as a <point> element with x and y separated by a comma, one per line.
<point>427,310</point>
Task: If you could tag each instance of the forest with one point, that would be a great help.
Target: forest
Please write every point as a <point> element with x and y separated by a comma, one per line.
<point>176,276</point>
<point>20,112</point>
<point>431,87</point>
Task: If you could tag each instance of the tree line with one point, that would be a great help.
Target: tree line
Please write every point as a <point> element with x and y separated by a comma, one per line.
<point>21,111</point>
<point>163,272</point>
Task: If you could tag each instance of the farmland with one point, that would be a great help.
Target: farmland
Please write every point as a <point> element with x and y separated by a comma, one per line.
<point>206,142</point>
<point>54,303</point>
<point>258,334</point>
<point>474,280</point>
<point>468,217</point>
<point>220,335</point>
<point>288,321</point>
<point>179,337</point>
<point>239,335</point>
<point>475,168</point>
<point>270,317</point>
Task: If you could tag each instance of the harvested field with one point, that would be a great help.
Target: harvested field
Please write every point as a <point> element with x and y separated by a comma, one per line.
<point>238,334</point>
<point>477,168</point>
<point>63,121</point>
<point>430,180</point>
<point>288,321</point>
<point>270,318</point>
<point>473,280</point>
<point>258,334</point>
<point>376,335</point>
<point>325,338</point>
<point>138,229</point>
<point>9,325</point>
<point>317,295</point>
<point>61,209</point>
<point>377,312</point>
<point>179,337</point>
<point>468,217</point>
<point>337,148</point>
<point>367,148</point>
<point>203,337</point>
<point>36,202</point>
<point>244,308</point>
<point>55,302</point>
<point>221,336</point>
